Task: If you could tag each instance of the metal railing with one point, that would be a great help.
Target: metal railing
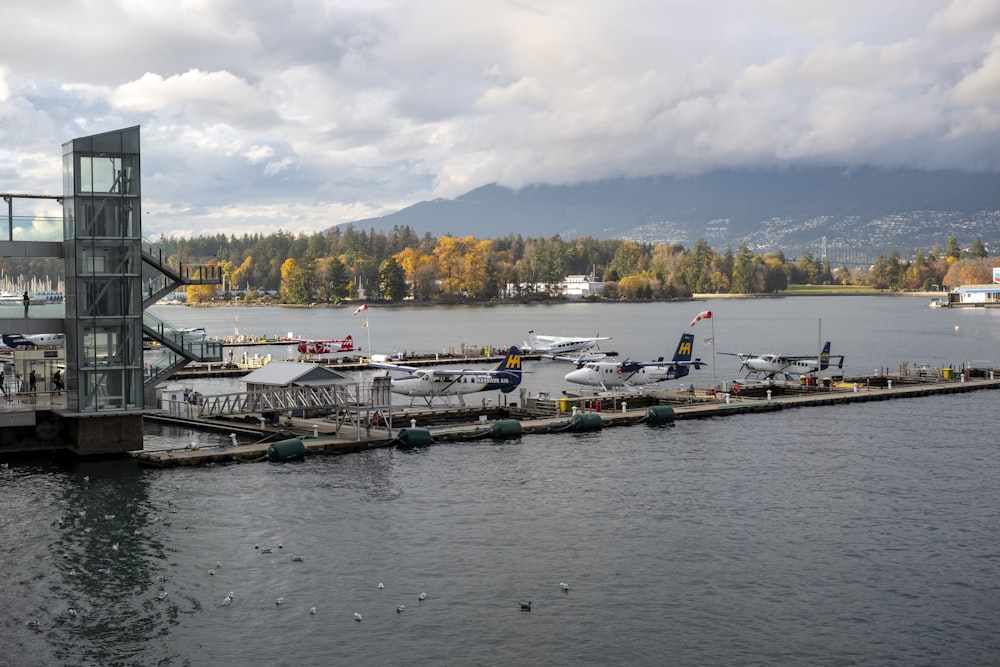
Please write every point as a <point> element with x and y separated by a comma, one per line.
<point>191,347</point>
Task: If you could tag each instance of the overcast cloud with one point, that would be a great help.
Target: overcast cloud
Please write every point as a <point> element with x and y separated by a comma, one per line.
<point>266,114</point>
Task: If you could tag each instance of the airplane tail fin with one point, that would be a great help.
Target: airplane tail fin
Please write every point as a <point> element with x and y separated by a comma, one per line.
<point>684,348</point>
<point>824,357</point>
<point>532,342</point>
<point>682,357</point>
<point>509,369</point>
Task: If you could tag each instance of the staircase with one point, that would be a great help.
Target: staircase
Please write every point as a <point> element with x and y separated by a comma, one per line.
<point>182,348</point>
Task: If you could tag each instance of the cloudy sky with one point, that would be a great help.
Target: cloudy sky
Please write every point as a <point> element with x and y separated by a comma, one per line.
<point>299,114</point>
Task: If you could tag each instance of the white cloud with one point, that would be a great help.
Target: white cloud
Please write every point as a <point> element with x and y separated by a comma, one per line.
<point>260,115</point>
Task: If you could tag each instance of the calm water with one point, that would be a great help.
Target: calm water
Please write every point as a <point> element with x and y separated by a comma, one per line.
<point>863,534</point>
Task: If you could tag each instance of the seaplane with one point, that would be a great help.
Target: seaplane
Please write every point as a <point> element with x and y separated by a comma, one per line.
<point>560,344</point>
<point>429,383</point>
<point>631,375</point>
<point>328,346</point>
<point>789,366</point>
<point>32,341</point>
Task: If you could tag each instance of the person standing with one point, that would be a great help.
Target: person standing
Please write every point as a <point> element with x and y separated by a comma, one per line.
<point>3,382</point>
<point>27,300</point>
<point>32,382</point>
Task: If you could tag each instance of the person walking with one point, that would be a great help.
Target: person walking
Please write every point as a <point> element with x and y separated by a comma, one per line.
<point>57,381</point>
<point>3,382</point>
<point>32,383</point>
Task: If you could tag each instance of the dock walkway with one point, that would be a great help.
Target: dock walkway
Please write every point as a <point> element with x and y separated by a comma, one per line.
<point>320,436</point>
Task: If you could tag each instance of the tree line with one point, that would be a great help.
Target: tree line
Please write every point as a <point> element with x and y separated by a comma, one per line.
<point>346,262</point>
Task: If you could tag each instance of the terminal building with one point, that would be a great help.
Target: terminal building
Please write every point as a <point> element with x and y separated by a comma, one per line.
<point>111,277</point>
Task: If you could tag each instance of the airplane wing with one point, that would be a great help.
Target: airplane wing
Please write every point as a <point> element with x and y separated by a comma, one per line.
<point>628,366</point>
<point>581,359</point>
<point>439,372</point>
<point>412,370</point>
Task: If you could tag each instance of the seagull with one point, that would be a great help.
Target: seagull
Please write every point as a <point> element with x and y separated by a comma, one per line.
<point>381,585</point>
<point>256,546</point>
<point>61,521</point>
<point>72,573</point>
<point>162,595</point>
<point>526,606</point>
<point>357,617</point>
<point>109,517</point>
<point>218,563</point>
<point>312,610</point>
<point>83,512</point>
<point>71,611</point>
<point>114,547</point>
<point>563,585</point>
<point>160,577</point>
<point>279,601</point>
<point>422,597</point>
<point>266,551</point>
<point>86,478</point>
<point>297,559</point>
<point>33,623</point>
<point>280,545</point>
<point>211,571</point>
<point>228,600</point>
<point>400,609</point>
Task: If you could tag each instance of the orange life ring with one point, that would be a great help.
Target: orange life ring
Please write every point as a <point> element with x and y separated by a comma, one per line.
<point>737,388</point>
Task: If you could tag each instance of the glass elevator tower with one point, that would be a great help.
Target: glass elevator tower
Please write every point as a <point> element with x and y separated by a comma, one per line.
<point>102,247</point>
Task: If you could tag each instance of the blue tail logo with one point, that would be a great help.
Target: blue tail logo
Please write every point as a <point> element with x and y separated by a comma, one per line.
<point>507,374</point>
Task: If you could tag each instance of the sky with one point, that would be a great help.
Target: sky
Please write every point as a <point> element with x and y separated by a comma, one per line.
<point>260,115</point>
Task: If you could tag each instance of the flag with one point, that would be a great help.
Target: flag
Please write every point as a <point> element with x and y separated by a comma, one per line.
<point>364,306</point>
<point>703,315</point>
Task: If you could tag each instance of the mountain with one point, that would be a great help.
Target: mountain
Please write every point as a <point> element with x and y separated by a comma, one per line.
<point>862,208</point>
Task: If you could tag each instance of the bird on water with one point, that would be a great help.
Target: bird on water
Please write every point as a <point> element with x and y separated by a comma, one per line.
<point>526,606</point>
<point>357,617</point>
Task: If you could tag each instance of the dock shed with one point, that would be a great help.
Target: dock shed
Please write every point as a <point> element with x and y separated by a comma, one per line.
<point>283,374</point>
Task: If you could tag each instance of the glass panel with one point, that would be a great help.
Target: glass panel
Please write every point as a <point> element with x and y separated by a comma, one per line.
<point>100,174</point>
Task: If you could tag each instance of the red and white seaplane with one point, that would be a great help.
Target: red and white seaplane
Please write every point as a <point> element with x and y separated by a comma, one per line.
<point>330,346</point>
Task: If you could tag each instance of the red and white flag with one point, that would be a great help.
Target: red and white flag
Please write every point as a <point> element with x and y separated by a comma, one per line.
<point>364,306</point>
<point>703,315</point>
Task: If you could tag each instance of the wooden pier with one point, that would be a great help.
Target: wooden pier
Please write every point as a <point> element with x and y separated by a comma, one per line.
<point>320,436</point>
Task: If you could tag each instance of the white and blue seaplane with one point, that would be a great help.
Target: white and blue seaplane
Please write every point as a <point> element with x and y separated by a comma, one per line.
<point>633,375</point>
<point>429,383</point>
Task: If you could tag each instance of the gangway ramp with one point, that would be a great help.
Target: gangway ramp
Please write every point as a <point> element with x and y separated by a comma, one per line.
<point>279,399</point>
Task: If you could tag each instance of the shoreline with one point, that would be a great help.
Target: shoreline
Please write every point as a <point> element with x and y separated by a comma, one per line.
<point>553,302</point>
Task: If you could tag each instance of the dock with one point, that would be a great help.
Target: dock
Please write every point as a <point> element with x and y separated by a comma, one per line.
<point>458,424</point>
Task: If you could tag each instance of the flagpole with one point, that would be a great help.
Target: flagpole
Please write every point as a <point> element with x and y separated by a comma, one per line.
<point>369,334</point>
<point>714,383</point>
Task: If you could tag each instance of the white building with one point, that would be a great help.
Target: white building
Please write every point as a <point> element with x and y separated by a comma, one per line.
<point>580,287</point>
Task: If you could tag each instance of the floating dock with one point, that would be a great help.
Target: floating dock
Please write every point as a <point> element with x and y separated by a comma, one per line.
<point>319,436</point>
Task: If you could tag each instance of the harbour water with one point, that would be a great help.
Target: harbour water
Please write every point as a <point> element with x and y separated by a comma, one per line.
<point>850,535</point>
